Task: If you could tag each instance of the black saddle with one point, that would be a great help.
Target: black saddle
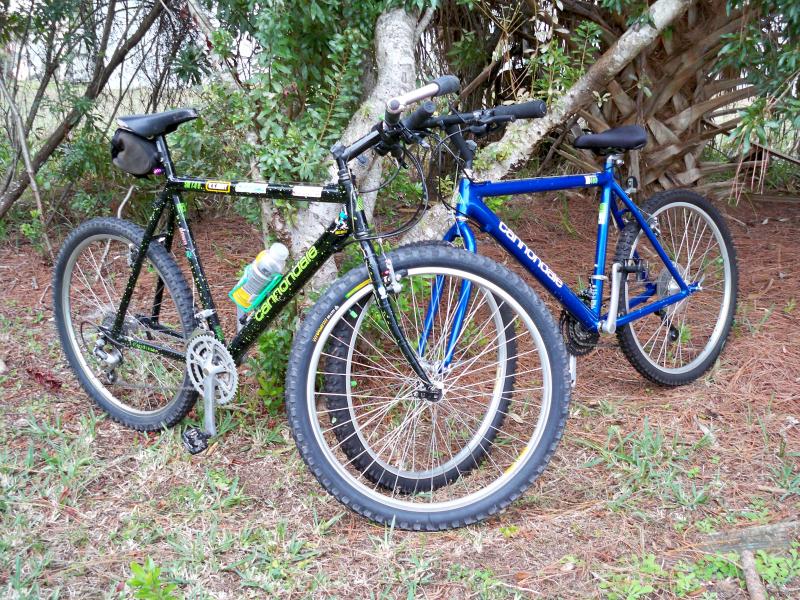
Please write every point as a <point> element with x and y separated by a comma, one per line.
<point>149,126</point>
<point>627,137</point>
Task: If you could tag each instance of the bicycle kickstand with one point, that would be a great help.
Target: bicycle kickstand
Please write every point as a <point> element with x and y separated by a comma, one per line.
<point>573,370</point>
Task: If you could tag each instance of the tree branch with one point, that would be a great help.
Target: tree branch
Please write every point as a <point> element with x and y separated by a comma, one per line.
<point>26,155</point>
<point>99,80</point>
<point>522,136</point>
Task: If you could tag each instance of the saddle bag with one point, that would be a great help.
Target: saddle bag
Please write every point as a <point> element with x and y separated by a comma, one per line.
<point>133,154</point>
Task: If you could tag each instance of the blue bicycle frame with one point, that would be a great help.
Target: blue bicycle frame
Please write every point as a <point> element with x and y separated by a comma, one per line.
<point>470,207</point>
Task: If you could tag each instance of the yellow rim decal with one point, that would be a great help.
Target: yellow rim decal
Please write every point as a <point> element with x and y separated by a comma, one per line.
<point>517,461</point>
<point>355,289</point>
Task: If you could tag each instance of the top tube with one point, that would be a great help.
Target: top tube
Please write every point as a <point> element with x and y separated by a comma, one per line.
<point>485,189</point>
<point>258,189</point>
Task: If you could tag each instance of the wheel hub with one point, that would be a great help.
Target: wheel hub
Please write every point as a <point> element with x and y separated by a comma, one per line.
<point>666,284</point>
<point>432,393</point>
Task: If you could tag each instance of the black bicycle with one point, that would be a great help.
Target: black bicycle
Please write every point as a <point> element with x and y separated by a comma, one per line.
<point>427,388</point>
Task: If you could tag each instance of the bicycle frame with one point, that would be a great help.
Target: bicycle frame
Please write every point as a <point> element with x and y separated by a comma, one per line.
<point>470,207</point>
<point>333,239</point>
<point>170,199</point>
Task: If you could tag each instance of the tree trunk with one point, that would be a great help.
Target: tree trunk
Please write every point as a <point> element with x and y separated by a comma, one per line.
<point>396,36</point>
<point>521,137</point>
<point>685,100</point>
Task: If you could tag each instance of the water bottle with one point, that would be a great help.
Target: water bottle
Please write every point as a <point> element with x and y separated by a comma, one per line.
<point>260,276</point>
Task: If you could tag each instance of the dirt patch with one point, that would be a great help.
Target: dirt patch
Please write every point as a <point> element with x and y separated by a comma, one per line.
<point>642,472</point>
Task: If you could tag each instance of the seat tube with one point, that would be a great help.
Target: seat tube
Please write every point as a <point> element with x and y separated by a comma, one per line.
<point>140,255</point>
<point>602,241</point>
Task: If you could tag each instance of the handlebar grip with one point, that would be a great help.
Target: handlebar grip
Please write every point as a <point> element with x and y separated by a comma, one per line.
<point>391,117</point>
<point>448,84</point>
<point>419,116</point>
<point>535,109</point>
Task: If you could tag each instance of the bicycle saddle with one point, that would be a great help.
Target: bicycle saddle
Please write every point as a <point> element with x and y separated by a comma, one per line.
<point>158,123</point>
<point>627,137</point>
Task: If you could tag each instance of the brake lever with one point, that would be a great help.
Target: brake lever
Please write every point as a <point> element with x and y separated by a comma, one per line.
<point>414,137</point>
<point>398,154</point>
<point>489,123</point>
<point>479,130</point>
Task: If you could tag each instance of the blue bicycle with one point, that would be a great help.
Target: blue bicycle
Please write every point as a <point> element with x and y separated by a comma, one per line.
<point>447,459</point>
<point>673,276</point>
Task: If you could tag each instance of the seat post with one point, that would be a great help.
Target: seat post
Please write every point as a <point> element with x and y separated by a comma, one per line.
<point>613,160</point>
<point>166,159</point>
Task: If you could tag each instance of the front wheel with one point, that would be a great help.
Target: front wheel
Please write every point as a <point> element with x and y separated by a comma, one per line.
<point>418,462</point>
<point>680,342</point>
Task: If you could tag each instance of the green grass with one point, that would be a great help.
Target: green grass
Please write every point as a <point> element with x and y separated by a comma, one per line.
<point>643,576</point>
<point>651,463</point>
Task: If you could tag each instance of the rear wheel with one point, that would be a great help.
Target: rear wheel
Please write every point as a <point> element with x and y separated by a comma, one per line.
<point>137,388</point>
<point>429,463</point>
<point>679,343</point>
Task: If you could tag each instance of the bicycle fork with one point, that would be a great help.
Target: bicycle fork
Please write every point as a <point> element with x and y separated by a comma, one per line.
<point>428,390</point>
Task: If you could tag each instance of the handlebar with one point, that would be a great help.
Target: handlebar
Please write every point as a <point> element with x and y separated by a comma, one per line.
<point>446,84</point>
<point>393,129</point>
<point>535,109</point>
<point>419,116</point>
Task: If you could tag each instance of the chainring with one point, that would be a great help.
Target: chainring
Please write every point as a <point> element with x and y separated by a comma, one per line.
<point>579,340</point>
<point>204,352</point>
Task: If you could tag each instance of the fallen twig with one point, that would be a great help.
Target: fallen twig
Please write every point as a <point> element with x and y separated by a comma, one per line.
<point>41,298</point>
<point>754,586</point>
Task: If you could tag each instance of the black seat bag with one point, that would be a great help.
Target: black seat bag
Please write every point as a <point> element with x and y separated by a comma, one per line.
<point>133,154</point>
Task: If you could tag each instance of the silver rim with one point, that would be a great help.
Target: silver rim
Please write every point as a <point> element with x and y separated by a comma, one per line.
<point>689,330</point>
<point>412,423</point>
<point>484,426</point>
<point>94,279</point>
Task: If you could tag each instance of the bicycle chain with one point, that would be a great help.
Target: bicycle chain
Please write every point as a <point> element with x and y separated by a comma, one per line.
<point>118,383</point>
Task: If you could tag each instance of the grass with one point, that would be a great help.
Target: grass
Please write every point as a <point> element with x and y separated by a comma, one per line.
<point>641,478</point>
<point>650,463</point>
<point>640,576</point>
<point>87,505</point>
<point>787,477</point>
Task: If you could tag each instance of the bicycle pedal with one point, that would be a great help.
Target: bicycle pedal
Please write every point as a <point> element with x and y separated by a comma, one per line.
<point>195,440</point>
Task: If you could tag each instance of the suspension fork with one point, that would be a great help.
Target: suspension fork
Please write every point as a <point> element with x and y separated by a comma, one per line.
<point>358,222</point>
<point>462,230</point>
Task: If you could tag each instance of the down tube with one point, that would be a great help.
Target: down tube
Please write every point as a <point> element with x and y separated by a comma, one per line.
<point>501,232</point>
<point>330,242</point>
